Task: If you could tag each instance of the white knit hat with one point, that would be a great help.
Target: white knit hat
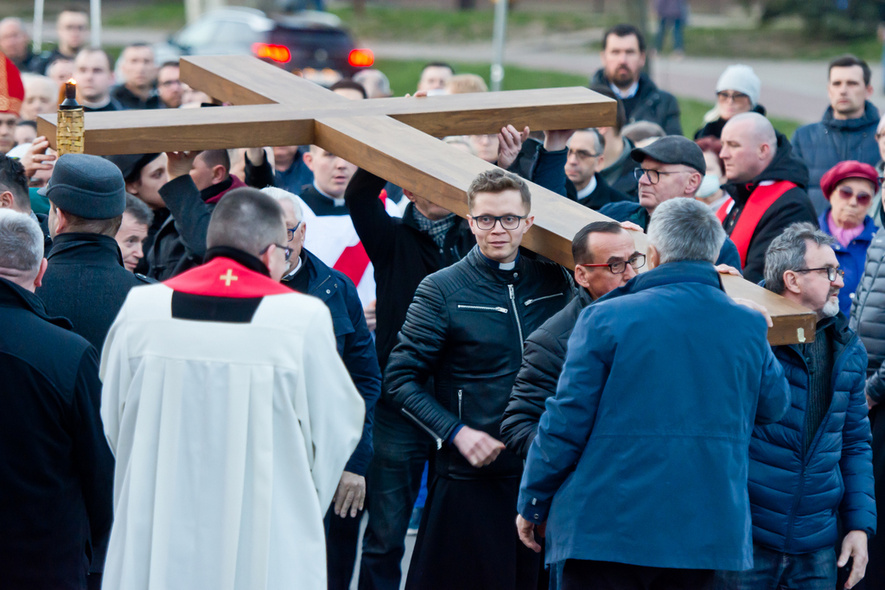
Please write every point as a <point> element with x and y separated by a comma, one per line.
<point>742,79</point>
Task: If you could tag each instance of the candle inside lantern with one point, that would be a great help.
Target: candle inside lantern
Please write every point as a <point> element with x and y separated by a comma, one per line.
<point>70,96</point>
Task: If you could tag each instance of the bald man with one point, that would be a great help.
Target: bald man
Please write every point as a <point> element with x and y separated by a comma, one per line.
<point>767,182</point>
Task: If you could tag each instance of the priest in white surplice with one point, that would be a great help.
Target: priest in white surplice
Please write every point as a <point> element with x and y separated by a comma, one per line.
<point>231,417</point>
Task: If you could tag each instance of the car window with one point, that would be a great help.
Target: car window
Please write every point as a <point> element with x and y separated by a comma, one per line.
<point>198,34</point>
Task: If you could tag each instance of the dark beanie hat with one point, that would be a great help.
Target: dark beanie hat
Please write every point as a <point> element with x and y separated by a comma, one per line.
<point>132,164</point>
<point>87,186</point>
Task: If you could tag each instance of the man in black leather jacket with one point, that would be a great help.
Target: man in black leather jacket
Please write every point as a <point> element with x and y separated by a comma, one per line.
<point>465,329</point>
<point>607,248</point>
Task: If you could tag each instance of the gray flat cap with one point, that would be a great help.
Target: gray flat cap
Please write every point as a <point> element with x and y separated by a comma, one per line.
<point>86,186</point>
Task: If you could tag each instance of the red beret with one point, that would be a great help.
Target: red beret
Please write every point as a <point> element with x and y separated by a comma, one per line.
<point>847,169</point>
<point>12,91</point>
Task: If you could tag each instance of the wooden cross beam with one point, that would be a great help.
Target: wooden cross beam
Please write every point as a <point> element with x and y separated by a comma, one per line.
<point>394,138</point>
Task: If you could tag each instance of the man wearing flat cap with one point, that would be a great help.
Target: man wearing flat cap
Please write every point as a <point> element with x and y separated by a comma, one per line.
<point>85,280</point>
<point>673,166</point>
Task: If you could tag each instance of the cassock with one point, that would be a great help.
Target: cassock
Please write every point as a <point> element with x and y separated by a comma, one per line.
<point>231,417</point>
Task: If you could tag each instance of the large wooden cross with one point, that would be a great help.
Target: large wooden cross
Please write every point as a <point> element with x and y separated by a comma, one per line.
<point>394,138</point>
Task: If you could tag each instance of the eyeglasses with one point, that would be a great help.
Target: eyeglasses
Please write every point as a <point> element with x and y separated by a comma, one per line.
<point>487,222</point>
<point>287,252</point>
<point>637,262</point>
<point>863,198</point>
<point>832,272</point>
<point>582,154</point>
<point>653,175</point>
<point>732,96</point>
<point>291,232</point>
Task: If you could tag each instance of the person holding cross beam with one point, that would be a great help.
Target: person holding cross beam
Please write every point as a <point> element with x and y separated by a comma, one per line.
<point>464,331</point>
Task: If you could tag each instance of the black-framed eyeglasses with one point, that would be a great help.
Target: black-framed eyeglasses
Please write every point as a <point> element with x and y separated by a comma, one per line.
<point>637,262</point>
<point>287,252</point>
<point>653,175</point>
<point>291,232</point>
<point>832,272</point>
<point>487,222</point>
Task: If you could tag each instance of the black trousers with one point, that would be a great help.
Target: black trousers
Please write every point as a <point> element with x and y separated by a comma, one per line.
<point>579,574</point>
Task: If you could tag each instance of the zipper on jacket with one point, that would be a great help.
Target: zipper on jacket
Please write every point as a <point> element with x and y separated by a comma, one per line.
<point>460,398</point>
<point>425,428</point>
<point>516,315</point>
<point>536,299</point>
<point>483,308</point>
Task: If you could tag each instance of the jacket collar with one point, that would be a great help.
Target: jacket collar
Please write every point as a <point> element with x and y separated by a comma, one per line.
<point>245,259</point>
<point>869,117</point>
<point>478,261</point>
<point>869,228</point>
<point>213,194</point>
<point>686,271</point>
<point>74,247</point>
<point>11,295</point>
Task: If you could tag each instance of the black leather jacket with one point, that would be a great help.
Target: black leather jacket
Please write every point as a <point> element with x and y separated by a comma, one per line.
<point>466,328</point>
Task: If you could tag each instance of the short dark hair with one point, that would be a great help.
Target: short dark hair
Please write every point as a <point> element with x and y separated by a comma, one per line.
<point>248,220</point>
<point>215,158</point>
<point>139,210</point>
<point>497,180</point>
<point>349,84</point>
<point>438,64</point>
<point>27,123</point>
<point>621,116</point>
<point>14,180</point>
<point>169,64</point>
<point>624,30</point>
<point>713,144</point>
<point>580,252</point>
<point>847,61</point>
<point>87,50</point>
<point>81,225</point>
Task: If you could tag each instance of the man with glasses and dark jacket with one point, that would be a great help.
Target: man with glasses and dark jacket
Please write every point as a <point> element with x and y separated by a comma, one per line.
<point>465,330</point>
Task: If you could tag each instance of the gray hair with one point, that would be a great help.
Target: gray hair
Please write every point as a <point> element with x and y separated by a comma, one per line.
<point>278,194</point>
<point>685,229</point>
<point>787,252</point>
<point>248,220</point>
<point>374,81</point>
<point>21,243</point>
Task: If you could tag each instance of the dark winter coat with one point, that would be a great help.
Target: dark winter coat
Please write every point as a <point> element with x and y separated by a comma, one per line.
<point>601,196</point>
<point>466,328</point>
<point>354,341</point>
<point>653,104</point>
<point>868,316</point>
<point>56,471</point>
<point>542,363</point>
<point>86,282</point>
<point>795,495</point>
<point>793,206</point>
<point>824,144</point>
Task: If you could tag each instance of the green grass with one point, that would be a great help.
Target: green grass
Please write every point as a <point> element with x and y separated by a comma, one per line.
<point>161,14</point>
<point>447,26</point>
<point>774,42</point>
<point>404,74</point>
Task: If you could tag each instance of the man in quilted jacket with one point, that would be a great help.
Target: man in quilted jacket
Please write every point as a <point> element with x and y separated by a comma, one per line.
<point>811,476</point>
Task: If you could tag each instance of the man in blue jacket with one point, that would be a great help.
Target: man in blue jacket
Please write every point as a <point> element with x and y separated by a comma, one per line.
<point>647,436</point>
<point>847,130</point>
<point>816,462</point>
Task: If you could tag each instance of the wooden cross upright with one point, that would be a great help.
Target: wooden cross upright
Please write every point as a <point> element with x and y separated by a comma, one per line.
<point>394,138</point>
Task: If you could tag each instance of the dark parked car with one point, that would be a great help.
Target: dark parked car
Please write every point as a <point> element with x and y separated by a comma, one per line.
<point>313,44</point>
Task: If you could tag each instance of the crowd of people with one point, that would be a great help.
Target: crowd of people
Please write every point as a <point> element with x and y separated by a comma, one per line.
<point>217,365</point>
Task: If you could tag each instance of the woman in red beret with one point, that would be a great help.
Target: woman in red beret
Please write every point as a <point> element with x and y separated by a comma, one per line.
<point>850,187</point>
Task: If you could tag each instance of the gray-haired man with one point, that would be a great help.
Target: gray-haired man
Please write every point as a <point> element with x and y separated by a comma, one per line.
<point>816,462</point>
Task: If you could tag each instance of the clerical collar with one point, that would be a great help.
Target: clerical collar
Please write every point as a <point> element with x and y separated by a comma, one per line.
<point>96,105</point>
<point>295,270</point>
<point>625,94</point>
<point>500,265</point>
<point>337,202</point>
<point>588,190</point>
<point>244,258</point>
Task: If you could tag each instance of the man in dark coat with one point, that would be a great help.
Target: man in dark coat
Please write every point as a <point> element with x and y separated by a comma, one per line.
<point>767,183</point>
<point>465,330</point>
<point>847,130</point>
<point>605,259</point>
<point>637,471</point>
<point>85,280</point>
<point>623,56</point>
<point>585,158</point>
<point>811,472</point>
<point>308,274</point>
<point>56,471</point>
